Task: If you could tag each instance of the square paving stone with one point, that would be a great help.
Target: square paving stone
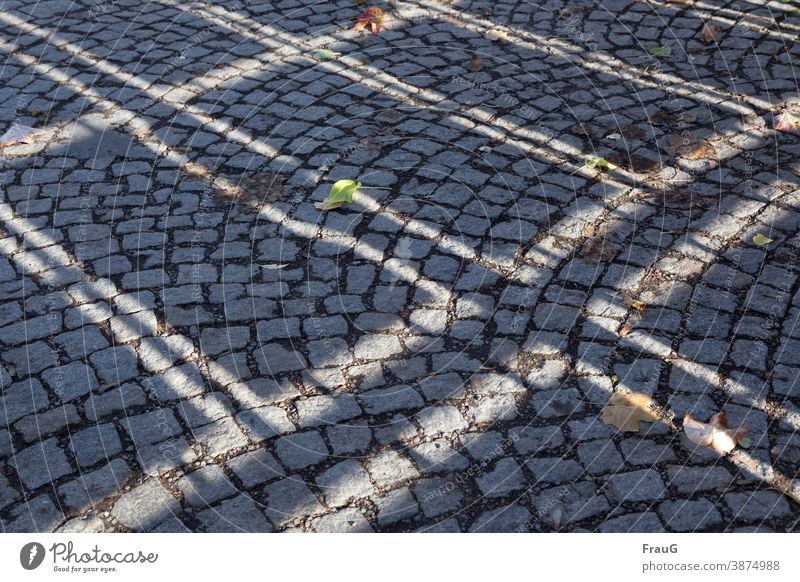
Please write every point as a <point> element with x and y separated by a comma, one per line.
<point>290,499</point>
<point>347,520</point>
<point>389,468</point>
<point>255,467</point>
<point>95,443</point>
<point>301,450</point>
<point>344,481</point>
<point>395,506</point>
<point>239,514</point>
<point>71,381</point>
<point>152,427</point>
<point>220,436</point>
<point>205,486</point>
<point>145,506</point>
<point>115,365</point>
<point>41,463</point>
<point>92,488</point>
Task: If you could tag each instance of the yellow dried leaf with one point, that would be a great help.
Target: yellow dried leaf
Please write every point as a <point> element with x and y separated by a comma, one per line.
<point>761,240</point>
<point>626,410</point>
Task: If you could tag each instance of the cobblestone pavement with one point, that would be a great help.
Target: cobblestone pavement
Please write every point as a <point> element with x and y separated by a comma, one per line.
<point>188,344</point>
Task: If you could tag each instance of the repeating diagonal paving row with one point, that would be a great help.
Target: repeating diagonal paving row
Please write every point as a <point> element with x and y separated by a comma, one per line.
<point>186,343</point>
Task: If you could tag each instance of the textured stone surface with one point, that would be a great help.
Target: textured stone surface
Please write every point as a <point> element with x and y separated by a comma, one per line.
<point>186,342</point>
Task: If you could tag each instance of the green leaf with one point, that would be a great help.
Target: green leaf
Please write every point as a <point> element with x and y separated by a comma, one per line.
<point>325,54</point>
<point>342,191</point>
<point>761,240</point>
<point>661,51</point>
<point>601,163</point>
<point>745,442</point>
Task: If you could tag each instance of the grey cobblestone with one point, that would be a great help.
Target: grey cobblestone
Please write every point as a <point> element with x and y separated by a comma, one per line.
<point>444,344</point>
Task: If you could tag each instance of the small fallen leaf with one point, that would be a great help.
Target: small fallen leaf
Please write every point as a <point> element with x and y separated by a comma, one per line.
<point>371,18</point>
<point>761,240</point>
<point>325,54</point>
<point>787,123</point>
<point>601,163</point>
<point>661,51</point>
<point>340,193</point>
<point>701,150</point>
<point>18,133</point>
<point>496,34</point>
<point>708,33</point>
<point>475,64</point>
<point>326,205</point>
<point>634,304</point>
<point>626,410</point>
<point>714,434</point>
<point>625,329</point>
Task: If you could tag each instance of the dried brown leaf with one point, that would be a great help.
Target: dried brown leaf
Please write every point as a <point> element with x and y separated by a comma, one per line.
<point>708,33</point>
<point>626,410</point>
<point>701,150</point>
<point>634,304</point>
<point>371,18</point>
<point>475,65</point>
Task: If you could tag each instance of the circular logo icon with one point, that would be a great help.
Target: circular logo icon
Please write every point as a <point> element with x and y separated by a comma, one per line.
<point>31,555</point>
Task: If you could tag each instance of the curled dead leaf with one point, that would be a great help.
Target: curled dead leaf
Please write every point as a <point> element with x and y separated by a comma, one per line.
<point>714,434</point>
<point>475,65</point>
<point>18,133</point>
<point>787,123</point>
<point>626,410</point>
<point>496,34</point>
<point>701,150</point>
<point>708,33</point>
<point>625,329</point>
<point>371,18</point>
<point>635,304</point>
